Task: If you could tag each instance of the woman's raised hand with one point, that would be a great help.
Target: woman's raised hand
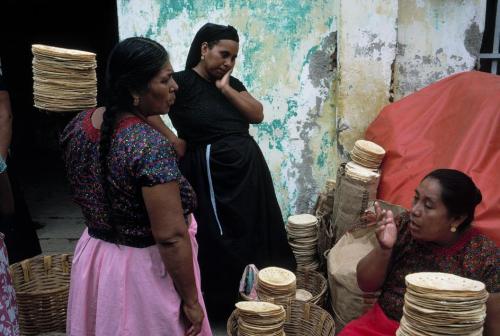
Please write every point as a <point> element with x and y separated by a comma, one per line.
<point>386,231</point>
<point>222,83</point>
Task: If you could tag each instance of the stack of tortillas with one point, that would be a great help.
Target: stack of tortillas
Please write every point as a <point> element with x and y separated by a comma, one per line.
<point>276,284</point>
<point>260,318</point>
<point>302,232</point>
<point>367,154</point>
<point>303,295</point>
<point>63,79</point>
<point>360,173</point>
<point>443,304</point>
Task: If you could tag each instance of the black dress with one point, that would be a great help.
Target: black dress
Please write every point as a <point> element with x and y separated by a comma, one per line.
<point>239,219</point>
<point>20,235</point>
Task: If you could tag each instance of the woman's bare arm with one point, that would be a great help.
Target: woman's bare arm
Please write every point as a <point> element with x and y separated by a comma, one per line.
<point>157,123</point>
<point>5,123</point>
<point>170,231</point>
<point>372,269</point>
<point>492,323</point>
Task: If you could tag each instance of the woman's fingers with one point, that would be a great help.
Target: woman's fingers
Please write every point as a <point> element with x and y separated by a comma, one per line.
<point>194,330</point>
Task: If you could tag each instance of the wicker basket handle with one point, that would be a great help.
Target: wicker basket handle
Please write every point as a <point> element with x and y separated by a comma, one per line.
<point>47,264</point>
<point>65,263</point>
<point>320,325</point>
<point>306,275</point>
<point>26,266</point>
<point>307,311</point>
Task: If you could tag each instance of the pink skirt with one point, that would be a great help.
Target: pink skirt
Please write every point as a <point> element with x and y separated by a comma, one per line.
<point>122,290</point>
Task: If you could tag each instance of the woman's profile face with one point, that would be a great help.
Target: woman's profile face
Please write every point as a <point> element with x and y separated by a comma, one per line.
<point>219,59</point>
<point>160,94</point>
<point>429,217</point>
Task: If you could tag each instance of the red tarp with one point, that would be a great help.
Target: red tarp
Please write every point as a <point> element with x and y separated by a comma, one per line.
<point>453,123</point>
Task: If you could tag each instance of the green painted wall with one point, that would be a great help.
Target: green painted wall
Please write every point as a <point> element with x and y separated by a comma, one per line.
<point>286,60</point>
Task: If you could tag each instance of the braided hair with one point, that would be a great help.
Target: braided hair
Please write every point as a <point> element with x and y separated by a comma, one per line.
<point>132,64</point>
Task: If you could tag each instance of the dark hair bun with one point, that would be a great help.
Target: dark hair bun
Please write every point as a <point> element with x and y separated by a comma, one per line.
<point>478,197</point>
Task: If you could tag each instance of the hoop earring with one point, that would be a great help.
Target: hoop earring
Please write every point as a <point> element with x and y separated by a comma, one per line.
<point>453,229</point>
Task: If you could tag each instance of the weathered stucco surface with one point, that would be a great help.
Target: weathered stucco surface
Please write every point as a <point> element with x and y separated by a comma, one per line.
<point>367,48</point>
<point>323,69</point>
<point>285,61</point>
<point>436,39</point>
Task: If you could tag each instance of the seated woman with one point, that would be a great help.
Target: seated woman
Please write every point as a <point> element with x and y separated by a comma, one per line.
<point>435,237</point>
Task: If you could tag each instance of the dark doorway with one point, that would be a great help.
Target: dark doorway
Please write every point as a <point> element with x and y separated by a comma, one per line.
<point>487,46</point>
<point>35,156</point>
<point>84,25</point>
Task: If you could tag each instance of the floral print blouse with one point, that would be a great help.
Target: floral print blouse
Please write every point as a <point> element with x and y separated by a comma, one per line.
<point>139,156</point>
<point>474,256</point>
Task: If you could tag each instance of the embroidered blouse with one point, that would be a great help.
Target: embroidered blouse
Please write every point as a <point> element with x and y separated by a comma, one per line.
<point>474,256</point>
<point>139,156</point>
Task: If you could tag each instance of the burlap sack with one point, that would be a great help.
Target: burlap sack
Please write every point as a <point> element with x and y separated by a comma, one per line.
<point>351,201</point>
<point>347,299</point>
<point>323,211</point>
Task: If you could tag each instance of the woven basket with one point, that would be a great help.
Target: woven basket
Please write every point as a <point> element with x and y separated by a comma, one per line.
<point>302,319</point>
<point>42,288</point>
<point>310,280</point>
<point>315,283</point>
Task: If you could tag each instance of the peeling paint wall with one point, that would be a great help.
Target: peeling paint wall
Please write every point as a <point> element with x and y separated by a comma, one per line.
<point>367,48</point>
<point>436,39</point>
<point>323,69</point>
<point>285,61</point>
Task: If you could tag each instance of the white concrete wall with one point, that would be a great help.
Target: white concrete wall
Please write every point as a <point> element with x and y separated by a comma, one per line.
<point>367,48</point>
<point>436,38</point>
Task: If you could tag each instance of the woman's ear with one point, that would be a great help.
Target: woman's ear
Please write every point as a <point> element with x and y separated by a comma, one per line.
<point>458,220</point>
<point>204,48</point>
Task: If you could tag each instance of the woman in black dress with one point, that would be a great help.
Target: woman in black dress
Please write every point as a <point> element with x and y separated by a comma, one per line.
<point>239,218</point>
<point>15,220</point>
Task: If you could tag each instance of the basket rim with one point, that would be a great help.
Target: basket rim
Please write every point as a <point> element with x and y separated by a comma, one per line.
<point>37,260</point>
<point>63,288</point>
<point>299,272</point>
<point>298,303</point>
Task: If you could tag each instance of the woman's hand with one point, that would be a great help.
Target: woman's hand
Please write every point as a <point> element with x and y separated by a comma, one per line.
<point>369,300</point>
<point>223,83</point>
<point>179,144</point>
<point>194,315</point>
<point>250,108</point>
<point>180,147</point>
<point>387,232</point>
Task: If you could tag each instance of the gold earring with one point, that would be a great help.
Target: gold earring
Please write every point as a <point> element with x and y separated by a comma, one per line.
<point>136,101</point>
<point>453,229</point>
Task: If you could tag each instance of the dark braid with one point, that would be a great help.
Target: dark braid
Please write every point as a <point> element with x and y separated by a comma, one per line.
<point>131,65</point>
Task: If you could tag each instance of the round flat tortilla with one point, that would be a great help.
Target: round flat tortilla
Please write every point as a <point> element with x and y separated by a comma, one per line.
<point>436,281</point>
